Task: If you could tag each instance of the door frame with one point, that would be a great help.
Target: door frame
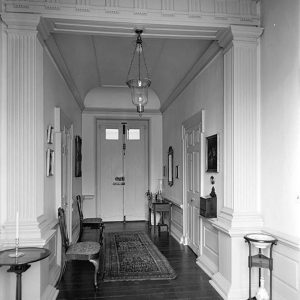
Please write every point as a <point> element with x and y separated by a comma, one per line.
<point>59,120</point>
<point>98,163</point>
<point>198,118</point>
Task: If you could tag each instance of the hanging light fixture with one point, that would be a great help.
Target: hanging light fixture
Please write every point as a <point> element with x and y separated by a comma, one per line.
<point>138,77</point>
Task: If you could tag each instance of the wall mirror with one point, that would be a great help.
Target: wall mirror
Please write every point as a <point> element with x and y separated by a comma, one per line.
<point>170,166</point>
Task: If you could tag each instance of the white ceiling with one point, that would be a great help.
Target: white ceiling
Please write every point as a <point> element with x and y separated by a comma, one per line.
<point>98,60</point>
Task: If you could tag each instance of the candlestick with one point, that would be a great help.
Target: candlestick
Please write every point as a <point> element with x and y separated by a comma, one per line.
<point>17,253</point>
<point>17,225</point>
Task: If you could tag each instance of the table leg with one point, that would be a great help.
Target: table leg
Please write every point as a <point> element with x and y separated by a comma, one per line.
<point>170,219</point>
<point>19,269</point>
<point>149,218</point>
<point>154,217</point>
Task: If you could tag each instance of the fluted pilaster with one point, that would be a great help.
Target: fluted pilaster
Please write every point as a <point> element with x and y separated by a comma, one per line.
<point>241,125</point>
<point>240,213</point>
<point>25,136</point>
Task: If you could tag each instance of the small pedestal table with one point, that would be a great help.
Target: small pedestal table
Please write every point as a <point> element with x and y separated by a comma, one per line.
<point>22,263</point>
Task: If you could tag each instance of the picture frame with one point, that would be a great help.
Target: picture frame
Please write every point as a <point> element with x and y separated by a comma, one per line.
<point>164,171</point>
<point>212,153</point>
<point>49,162</point>
<point>78,156</point>
<point>50,134</point>
<point>170,166</point>
<point>177,172</point>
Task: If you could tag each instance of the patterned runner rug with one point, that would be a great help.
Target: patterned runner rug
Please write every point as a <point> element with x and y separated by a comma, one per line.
<point>133,256</point>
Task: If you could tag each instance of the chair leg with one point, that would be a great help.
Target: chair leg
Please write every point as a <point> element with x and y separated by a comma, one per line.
<point>95,262</point>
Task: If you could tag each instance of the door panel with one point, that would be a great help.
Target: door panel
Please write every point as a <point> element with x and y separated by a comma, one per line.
<point>111,167</point>
<point>123,170</point>
<point>193,185</point>
<point>136,171</point>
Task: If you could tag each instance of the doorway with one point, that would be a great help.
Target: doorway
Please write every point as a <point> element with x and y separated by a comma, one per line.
<point>193,152</point>
<point>122,169</point>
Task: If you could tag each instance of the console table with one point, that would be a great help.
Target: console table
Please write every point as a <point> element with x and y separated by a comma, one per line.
<point>20,264</point>
<point>159,206</point>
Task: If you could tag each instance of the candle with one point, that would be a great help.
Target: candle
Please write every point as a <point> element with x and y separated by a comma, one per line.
<point>17,225</point>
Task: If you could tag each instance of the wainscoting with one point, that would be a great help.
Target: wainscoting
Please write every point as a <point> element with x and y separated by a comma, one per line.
<point>286,273</point>
<point>208,259</point>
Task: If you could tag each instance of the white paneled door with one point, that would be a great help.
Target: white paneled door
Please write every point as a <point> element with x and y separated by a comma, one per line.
<point>122,169</point>
<point>193,162</point>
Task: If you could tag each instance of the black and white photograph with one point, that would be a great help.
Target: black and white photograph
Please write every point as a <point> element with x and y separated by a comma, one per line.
<point>150,149</point>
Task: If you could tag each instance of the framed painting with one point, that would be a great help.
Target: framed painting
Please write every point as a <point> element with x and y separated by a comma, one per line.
<point>212,153</point>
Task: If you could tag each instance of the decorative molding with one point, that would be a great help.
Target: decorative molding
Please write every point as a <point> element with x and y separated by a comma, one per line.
<point>210,54</point>
<point>140,7</point>
<point>208,12</point>
<point>126,111</point>
<point>286,272</point>
<point>112,6</point>
<point>284,239</point>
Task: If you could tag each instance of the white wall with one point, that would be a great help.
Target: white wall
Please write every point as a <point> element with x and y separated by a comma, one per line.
<point>280,140</point>
<point>204,92</point>
<point>57,94</point>
<point>280,111</point>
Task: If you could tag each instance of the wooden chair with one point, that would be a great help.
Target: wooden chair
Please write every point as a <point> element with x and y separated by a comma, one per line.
<point>79,251</point>
<point>93,223</point>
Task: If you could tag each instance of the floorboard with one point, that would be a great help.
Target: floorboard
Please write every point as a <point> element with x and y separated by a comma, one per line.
<point>191,282</point>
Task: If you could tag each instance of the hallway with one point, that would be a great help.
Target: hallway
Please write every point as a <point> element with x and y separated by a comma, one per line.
<point>191,281</point>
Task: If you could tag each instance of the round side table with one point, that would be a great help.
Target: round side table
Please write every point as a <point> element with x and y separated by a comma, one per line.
<point>20,264</point>
<point>260,241</point>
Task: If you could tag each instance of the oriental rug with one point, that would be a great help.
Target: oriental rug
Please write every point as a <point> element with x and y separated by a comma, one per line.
<point>133,256</point>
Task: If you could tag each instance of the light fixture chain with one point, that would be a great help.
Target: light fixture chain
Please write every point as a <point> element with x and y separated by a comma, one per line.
<point>131,63</point>
<point>147,72</point>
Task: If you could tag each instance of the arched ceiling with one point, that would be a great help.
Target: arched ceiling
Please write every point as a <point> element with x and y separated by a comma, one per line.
<point>103,60</point>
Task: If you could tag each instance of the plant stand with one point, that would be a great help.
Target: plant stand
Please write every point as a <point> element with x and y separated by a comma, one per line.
<point>260,241</point>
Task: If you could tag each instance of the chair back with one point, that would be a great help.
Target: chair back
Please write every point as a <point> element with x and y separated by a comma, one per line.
<point>63,228</point>
<point>79,208</point>
<point>79,205</point>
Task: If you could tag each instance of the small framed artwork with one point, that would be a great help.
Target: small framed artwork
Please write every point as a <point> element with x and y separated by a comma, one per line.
<point>170,166</point>
<point>164,171</point>
<point>177,172</point>
<point>212,153</point>
<point>50,134</point>
<point>78,156</point>
<point>49,162</point>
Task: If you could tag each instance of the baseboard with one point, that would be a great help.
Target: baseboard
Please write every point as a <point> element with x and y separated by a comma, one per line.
<point>50,293</point>
<point>206,265</point>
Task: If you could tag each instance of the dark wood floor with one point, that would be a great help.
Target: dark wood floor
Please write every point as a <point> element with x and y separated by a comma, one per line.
<point>191,281</point>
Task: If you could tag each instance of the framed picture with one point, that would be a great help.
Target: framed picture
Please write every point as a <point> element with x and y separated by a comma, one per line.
<point>50,134</point>
<point>170,166</point>
<point>49,162</point>
<point>212,153</point>
<point>177,172</point>
<point>78,156</point>
<point>164,171</point>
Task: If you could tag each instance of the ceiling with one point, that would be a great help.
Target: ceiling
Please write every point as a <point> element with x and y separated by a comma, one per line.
<point>98,60</point>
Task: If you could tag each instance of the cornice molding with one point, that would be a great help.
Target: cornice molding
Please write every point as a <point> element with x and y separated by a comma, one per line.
<point>197,68</point>
<point>207,12</point>
<point>238,33</point>
<point>22,22</point>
